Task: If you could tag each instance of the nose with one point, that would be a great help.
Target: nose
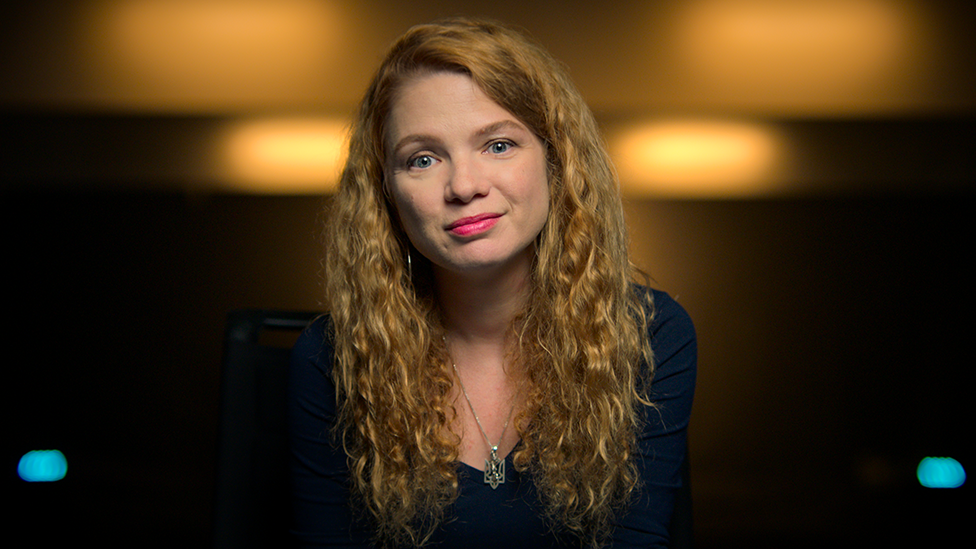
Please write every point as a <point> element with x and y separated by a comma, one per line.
<point>466,181</point>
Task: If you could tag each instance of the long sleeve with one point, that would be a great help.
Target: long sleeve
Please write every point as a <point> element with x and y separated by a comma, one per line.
<point>662,444</point>
<point>320,476</point>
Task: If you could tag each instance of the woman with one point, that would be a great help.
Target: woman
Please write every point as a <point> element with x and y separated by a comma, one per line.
<point>484,374</point>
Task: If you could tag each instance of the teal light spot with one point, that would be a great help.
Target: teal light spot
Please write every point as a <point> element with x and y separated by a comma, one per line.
<point>42,466</point>
<point>940,472</point>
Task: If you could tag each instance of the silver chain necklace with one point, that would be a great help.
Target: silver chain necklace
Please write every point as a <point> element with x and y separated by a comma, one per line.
<point>494,467</point>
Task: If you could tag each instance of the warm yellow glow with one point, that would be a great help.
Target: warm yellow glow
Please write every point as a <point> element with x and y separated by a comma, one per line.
<point>827,52</point>
<point>696,159</point>
<point>285,156</point>
<point>209,53</point>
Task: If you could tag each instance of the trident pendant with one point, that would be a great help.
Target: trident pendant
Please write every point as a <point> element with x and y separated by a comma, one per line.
<point>494,469</point>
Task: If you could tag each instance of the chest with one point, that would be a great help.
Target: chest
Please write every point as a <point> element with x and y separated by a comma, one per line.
<point>486,415</point>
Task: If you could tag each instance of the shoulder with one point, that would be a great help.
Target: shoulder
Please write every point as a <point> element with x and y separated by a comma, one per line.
<point>310,386</point>
<point>313,350</point>
<point>667,318</point>
<point>671,334</point>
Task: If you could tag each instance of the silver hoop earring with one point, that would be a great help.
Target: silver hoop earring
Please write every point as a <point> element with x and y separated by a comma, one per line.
<point>409,265</point>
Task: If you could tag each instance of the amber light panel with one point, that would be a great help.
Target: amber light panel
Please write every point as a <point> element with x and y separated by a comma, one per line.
<point>833,55</point>
<point>689,159</point>
<point>209,54</point>
<point>285,156</point>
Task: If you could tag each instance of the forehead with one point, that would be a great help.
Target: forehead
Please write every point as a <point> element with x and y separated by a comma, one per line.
<point>441,101</point>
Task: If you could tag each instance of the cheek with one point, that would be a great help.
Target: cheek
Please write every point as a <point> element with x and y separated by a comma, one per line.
<point>543,208</point>
<point>540,192</point>
<point>411,212</point>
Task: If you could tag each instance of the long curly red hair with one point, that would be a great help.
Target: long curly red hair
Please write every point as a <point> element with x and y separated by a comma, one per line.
<point>581,338</point>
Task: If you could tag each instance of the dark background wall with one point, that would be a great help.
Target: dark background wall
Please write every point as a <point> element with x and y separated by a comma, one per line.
<point>834,311</point>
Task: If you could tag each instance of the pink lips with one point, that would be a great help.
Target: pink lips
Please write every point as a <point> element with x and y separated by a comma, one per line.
<point>473,225</point>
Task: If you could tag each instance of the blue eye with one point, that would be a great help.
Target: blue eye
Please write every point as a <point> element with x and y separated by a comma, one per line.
<point>422,162</point>
<point>499,147</point>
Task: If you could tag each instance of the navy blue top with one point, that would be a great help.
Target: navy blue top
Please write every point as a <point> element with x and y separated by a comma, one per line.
<point>507,517</point>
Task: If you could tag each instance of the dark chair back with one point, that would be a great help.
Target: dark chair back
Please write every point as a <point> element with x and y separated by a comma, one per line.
<point>252,505</point>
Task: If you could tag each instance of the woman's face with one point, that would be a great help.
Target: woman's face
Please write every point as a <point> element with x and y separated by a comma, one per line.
<point>468,179</point>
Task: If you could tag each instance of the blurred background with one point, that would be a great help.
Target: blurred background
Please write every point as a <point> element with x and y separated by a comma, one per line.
<point>799,174</point>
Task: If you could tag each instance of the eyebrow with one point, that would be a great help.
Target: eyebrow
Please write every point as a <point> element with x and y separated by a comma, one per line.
<point>487,130</point>
<point>500,125</point>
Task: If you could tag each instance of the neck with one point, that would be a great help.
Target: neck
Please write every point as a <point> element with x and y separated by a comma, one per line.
<point>481,307</point>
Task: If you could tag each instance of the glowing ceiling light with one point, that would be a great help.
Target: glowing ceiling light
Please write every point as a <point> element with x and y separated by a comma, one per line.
<point>696,159</point>
<point>285,156</point>
<point>827,52</point>
<point>210,53</point>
